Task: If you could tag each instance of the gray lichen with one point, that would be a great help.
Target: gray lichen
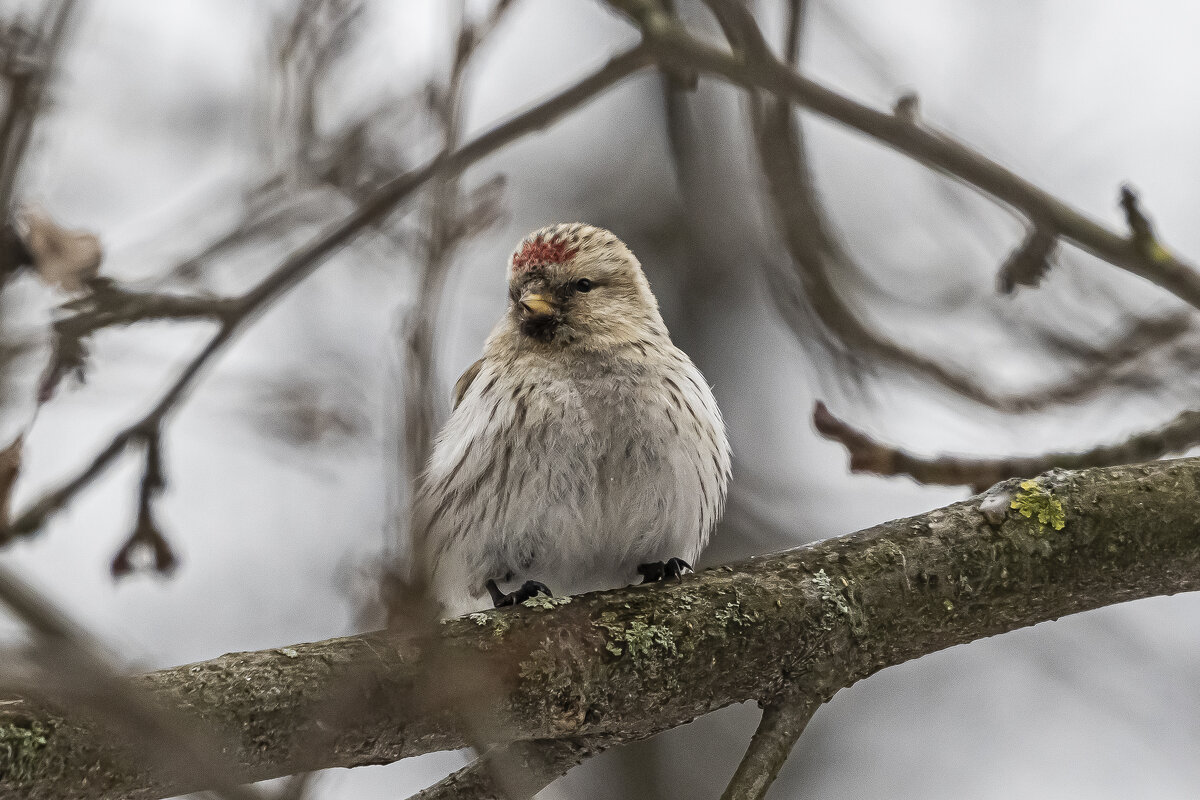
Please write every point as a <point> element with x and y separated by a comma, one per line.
<point>839,603</point>
<point>546,603</point>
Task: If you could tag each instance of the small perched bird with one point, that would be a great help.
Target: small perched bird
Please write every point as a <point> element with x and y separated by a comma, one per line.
<point>584,448</point>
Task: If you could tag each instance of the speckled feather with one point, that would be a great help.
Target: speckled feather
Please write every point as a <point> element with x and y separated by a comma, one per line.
<point>576,451</point>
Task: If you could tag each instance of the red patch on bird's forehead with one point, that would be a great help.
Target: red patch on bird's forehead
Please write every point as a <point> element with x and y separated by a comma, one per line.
<point>540,252</point>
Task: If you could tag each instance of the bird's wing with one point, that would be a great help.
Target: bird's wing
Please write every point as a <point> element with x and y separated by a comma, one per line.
<point>465,380</point>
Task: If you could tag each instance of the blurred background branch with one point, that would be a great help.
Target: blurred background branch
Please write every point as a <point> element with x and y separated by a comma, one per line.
<point>302,262</point>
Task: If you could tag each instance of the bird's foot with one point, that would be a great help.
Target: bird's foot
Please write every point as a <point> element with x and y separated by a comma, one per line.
<point>527,590</point>
<point>661,570</point>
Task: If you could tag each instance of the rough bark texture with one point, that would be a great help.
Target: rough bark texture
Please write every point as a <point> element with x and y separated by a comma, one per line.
<point>625,664</point>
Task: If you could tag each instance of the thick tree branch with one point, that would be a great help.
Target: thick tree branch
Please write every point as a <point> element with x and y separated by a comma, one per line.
<point>626,664</point>
<point>79,670</point>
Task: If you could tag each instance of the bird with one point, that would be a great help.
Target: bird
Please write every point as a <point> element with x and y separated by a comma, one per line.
<point>584,448</point>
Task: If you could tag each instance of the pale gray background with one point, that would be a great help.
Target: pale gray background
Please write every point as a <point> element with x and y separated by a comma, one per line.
<point>152,136</point>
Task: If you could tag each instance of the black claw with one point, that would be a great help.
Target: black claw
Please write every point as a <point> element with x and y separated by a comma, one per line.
<point>528,589</point>
<point>661,570</point>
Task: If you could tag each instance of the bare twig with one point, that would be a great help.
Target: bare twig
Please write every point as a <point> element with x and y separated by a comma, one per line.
<point>10,468</point>
<point>32,519</point>
<point>108,305</point>
<point>538,764</point>
<point>806,289</point>
<point>871,456</point>
<point>783,720</point>
<point>1120,361</point>
<point>304,261</point>
<point>316,37</point>
<point>678,48</point>
<point>29,72</point>
<point>146,535</point>
<point>448,224</point>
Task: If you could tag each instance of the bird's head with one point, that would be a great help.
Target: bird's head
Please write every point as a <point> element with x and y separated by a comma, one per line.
<point>578,285</point>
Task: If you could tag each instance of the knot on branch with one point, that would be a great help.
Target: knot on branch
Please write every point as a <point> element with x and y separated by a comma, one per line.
<point>866,455</point>
<point>1141,229</point>
<point>1029,263</point>
<point>907,108</point>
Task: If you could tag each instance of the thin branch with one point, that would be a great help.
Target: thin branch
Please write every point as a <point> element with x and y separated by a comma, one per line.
<point>109,305</point>
<point>30,521</point>
<point>448,228</point>
<point>269,206</point>
<point>308,258</point>
<point>783,721</point>
<point>808,289</point>
<point>27,94</point>
<point>301,263</point>
<point>1122,360</point>
<point>678,48</point>
<point>805,288</point>
<point>533,766</point>
<point>1141,231</point>
<point>146,535</point>
<point>871,456</point>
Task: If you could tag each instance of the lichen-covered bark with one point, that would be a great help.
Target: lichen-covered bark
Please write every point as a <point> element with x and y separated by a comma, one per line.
<point>628,663</point>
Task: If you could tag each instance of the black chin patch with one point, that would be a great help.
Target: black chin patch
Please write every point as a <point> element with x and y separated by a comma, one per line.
<point>541,328</point>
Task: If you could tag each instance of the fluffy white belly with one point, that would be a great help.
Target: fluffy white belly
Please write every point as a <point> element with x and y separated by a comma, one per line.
<point>572,480</point>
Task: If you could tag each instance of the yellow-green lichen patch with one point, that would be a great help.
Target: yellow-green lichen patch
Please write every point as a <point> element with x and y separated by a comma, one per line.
<point>1156,252</point>
<point>20,751</point>
<point>1035,501</point>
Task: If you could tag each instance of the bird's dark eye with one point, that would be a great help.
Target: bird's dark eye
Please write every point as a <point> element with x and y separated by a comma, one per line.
<point>583,285</point>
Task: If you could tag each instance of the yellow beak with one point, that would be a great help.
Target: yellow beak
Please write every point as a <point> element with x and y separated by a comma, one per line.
<point>537,304</point>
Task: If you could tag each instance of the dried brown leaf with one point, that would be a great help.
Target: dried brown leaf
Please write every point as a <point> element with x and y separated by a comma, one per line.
<point>62,257</point>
